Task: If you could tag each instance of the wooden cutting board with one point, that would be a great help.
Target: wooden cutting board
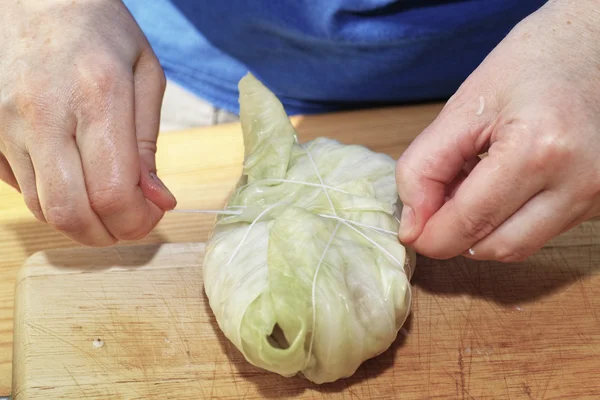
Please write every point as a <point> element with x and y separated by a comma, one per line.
<point>200,166</point>
<point>477,331</point>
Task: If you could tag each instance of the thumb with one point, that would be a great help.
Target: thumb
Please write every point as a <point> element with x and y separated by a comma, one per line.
<point>149,80</point>
<point>154,189</point>
<point>152,186</point>
<point>436,162</point>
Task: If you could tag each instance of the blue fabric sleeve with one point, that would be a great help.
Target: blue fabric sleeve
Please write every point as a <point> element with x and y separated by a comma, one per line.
<point>326,55</point>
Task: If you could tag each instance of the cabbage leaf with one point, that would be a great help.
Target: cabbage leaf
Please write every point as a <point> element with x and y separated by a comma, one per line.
<point>309,276</point>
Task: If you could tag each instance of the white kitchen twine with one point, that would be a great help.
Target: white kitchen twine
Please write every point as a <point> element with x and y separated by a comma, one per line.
<point>234,213</point>
<point>238,210</point>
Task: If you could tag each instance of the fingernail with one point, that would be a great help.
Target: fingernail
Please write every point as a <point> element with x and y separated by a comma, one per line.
<point>161,184</point>
<point>407,222</point>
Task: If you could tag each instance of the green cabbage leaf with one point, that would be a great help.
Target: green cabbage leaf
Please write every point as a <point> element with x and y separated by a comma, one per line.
<point>307,276</point>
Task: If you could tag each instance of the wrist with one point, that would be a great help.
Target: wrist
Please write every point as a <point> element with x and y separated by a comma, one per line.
<point>581,14</point>
<point>567,28</point>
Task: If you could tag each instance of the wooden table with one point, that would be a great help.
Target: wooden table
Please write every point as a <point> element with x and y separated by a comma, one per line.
<point>196,165</point>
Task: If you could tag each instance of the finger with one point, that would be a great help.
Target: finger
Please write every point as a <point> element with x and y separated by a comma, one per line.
<point>26,180</point>
<point>453,186</point>
<point>111,163</point>
<point>155,190</point>
<point>470,165</point>
<point>149,82</point>
<point>6,173</point>
<point>62,190</point>
<point>592,213</point>
<point>435,159</point>
<point>528,230</point>
<point>498,186</point>
<point>578,221</point>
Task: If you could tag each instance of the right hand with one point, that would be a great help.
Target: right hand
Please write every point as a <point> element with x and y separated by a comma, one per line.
<point>533,105</point>
<point>80,98</point>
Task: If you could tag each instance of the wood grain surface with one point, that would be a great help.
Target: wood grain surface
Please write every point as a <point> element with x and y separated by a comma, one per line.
<point>478,330</point>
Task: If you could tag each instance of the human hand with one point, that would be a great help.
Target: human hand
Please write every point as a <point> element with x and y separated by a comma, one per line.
<point>80,98</point>
<point>534,106</point>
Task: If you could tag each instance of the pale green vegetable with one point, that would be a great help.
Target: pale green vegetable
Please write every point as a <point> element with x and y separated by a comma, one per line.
<point>310,277</point>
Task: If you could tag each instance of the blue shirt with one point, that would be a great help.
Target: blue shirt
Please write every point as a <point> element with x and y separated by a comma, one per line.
<point>326,55</point>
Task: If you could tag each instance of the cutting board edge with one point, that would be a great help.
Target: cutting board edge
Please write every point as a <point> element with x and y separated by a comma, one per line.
<point>19,369</point>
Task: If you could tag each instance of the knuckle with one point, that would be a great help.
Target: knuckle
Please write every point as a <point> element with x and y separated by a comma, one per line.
<point>159,74</point>
<point>476,226</point>
<point>404,170</point>
<point>100,77</point>
<point>551,148</point>
<point>153,70</point>
<point>21,99</point>
<point>435,253</point>
<point>162,81</point>
<point>33,204</point>
<point>107,202</point>
<point>138,227</point>
<point>546,140</point>
<point>593,190</point>
<point>26,104</point>
<point>104,78</point>
<point>133,232</point>
<point>147,146</point>
<point>65,219</point>
<point>401,170</point>
<point>110,202</point>
<point>401,165</point>
<point>509,254</point>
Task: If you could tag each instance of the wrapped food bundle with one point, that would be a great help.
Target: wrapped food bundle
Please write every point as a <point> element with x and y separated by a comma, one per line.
<point>305,273</point>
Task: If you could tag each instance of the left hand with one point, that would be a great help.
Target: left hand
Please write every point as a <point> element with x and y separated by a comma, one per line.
<point>79,118</point>
<point>534,106</point>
